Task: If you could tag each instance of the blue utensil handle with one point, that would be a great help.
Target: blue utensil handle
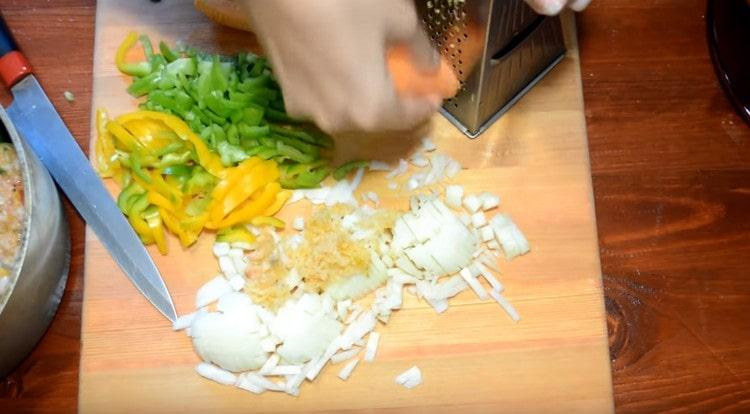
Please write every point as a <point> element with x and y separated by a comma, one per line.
<point>13,64</point>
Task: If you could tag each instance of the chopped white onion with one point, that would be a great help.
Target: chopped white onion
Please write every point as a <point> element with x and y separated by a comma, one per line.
<point>260,382</point>
<point>428,145</point>
<point>403,166</point>
<point>372,346</point>
<point>509,236</point>
<point>509,309</point>
<point>348,368</point>
<point>345,355</point>
<point>241,245</point>
<point>489,200</point>
<point>184,321</point>
<point>237,283</point>
<point>452,169</point>
<point>298,223</point>
<point>392,185</point>
<point>285,370</point>
<point>410,378</point>
<point>379,166</point>
<point>473,283</point>
<point>220,249</point>
<point>487,275</point>
<point>472,203</point>
<point>358,329</point>
<point>215,373</point>
<point>269,365</point>
<point>453,196</point>
<point>226,264</point>
<point>357,180</point>
<point>493,244</point>
<point>478,219</point>
<point>440,305</point>
<point>212,291</point>
<point>373,196</point>
<point>413,183</point>
<point>487,234</point>
<point>419,160</point>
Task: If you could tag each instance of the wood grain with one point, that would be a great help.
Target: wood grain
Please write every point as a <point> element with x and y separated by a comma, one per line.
<point>671,171</point>
<point>678,331</point>
<point>536,158</point>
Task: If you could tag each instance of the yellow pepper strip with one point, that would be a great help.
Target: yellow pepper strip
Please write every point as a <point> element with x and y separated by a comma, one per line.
<point>235,234</point>
<point>247,185</point>
<point>157,231</point>
<point>252,207</point>
<point>125,138</point>
<point>105,147</point>
<point>208,160</point>
<point>152,135</point>
<point>281,198</point>
<point>141,227</point>
<point>160,201</point>
<point>267,221</point>
<point>195,223</point>
<point>134,69</point>
<point>173,225</point>
<point>232,176</point>
<point>168,191</point>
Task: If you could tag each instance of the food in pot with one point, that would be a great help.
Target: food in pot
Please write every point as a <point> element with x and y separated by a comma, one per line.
<point>11,212</point>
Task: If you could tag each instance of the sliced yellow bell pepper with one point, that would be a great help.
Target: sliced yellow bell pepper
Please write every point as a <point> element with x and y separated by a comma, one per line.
<point>252,207</point>
<point>235,234</point>
<point>281,198</point>
<point>141,228</point>
<point>245,187</point>
<point>232,176</point>
<point>105,147</point>
<point>144,146</point>
<point>208,160</point>
<point>125,138</point>
<point>267,221</point>
<point>160,201</point>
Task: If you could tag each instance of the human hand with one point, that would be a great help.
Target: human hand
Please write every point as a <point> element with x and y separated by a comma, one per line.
<point>329,57</point>
<point>552,7</point>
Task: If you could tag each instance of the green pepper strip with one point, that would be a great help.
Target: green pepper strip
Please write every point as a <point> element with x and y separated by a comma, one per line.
<point>168,53</point>
<point>303,175</point>
<point>344,169</point>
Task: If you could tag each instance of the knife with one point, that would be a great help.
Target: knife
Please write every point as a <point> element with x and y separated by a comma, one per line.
<point>39,124</point>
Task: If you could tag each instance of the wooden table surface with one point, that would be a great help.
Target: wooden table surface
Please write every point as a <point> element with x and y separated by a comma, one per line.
<point>671,172</point>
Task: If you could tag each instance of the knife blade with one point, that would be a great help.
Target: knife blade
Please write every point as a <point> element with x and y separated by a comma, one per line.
<point>39,124</point>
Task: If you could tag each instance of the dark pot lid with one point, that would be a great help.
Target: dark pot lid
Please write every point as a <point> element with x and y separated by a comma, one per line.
<point>728,26</point>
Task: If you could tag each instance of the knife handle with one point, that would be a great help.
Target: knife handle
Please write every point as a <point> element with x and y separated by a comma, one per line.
<point>13,64</point>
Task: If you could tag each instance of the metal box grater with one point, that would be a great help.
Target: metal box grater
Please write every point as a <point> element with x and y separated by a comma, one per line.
<point>498,48</point>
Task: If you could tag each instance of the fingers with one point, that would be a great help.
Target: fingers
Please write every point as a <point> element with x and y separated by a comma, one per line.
<point>579,5</point>
<point>547,7</point>
<point>553,7</point>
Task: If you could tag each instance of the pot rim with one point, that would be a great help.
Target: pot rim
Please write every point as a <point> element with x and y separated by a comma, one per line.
<point>28,205</point>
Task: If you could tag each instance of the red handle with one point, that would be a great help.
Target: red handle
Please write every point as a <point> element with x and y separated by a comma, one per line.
<point>13,65</point>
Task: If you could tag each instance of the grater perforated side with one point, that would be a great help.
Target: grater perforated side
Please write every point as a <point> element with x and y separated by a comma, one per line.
<point>498,49</point>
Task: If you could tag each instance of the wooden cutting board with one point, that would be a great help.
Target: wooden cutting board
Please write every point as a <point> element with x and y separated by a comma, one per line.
<point>472,357</point>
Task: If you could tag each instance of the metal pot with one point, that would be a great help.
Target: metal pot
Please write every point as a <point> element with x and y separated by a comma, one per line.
<point>41,268</point>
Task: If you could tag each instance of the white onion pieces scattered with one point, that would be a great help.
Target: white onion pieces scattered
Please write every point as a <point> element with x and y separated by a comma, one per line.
<point>348,368</point>
<point>410,378</point>
<point>215,373</point>
<point>435,251</point>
